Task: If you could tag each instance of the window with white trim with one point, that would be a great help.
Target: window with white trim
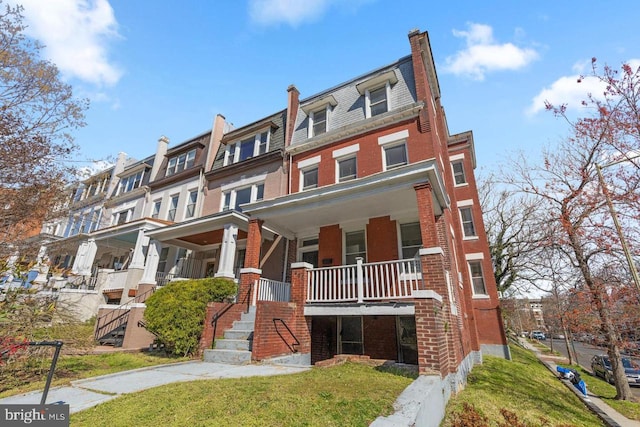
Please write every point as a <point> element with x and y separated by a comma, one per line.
<point>394,155</point>
<point>232,199</point>
<point>181,162</point>
<point>191,204</point>
<point>162,259</point>
<point>247,148</point>
<point>468,227</point>
<point>354,246</point>
<point>477,277</point>
<point>122,216</point>
<point>155,212</point>
<point>376,101</point>
<point>308,250</point>
<point>173,207</point>
<point>459,177</point>
<point>309,178</point>
<point>410,239</point>
<point>130,182</point>
<point>318,122</point>
<point>346,168</point>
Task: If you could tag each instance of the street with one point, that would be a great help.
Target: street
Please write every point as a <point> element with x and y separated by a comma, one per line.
<point>584,352</point>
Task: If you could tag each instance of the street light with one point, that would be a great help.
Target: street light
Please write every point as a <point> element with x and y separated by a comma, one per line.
<point>623,242</point>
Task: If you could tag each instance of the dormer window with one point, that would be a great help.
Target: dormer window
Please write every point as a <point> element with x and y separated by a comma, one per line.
<point>181,162</point>
<point>319,112</point>
<point>247,148</point>
<point>318,122</point>
<point>377,92</point>
<point>130,182</point>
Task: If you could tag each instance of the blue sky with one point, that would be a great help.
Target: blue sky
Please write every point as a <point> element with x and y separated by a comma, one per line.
<point>153,68</point>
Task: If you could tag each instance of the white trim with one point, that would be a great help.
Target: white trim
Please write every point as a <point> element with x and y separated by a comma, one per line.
<point>474,256</point>
<point>436,250</point>
<point>337,167</point>
<point>244,182</point>
<point>393,137</point>
<point>464,203</point>
<point>312,161</point>
<point>251,270</point>
<point>480,296</point>
<point>426,294</point>
<point>326,101</point>
<point>346,151</point>
<point>391,145</point>
<point>305,265</point>
<point>456,157</point>
<point>361,310</point>
<point>388,77</point>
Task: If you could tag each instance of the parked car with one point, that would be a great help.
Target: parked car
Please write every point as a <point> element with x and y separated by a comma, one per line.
<point>538,335</point>
<point>601,367</point>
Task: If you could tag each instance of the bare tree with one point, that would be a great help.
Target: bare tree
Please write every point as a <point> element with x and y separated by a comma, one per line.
<point>37,114</point>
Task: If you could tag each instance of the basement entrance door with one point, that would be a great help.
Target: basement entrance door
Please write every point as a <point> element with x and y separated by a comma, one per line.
<point>407,340</point>
<point>350,335</point>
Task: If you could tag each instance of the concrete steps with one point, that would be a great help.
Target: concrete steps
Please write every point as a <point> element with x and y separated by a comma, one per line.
<point>235,347</point>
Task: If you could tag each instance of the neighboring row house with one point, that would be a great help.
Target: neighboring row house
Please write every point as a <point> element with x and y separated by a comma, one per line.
<point>350,220</point>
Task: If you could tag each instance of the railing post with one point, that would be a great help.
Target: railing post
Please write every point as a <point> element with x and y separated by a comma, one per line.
<point>360,279</point>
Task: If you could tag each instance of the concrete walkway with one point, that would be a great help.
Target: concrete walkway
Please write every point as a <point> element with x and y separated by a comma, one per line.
<point>84,394</point>
<point>609,415</point>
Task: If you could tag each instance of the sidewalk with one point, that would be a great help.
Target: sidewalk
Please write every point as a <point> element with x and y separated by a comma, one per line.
<point>83,394</point>
<point>609,415</point>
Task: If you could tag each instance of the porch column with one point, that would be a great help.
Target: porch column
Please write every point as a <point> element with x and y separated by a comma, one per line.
<point>299,277</point>
<point>227,251</point>
<point>89,256</point>
<point>137,259</point>
<point>151,265</point>
<point>80,255</point>
<point>251,271</point>
<point>426,215</point>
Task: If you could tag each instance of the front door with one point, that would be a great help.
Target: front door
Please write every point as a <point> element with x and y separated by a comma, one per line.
<point>350,335</point>
<point>407,340</point>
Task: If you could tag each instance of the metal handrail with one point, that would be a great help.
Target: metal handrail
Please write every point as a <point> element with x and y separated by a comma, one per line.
<point>292,346</point>
<point>219,313</point>
<point>101,323</point>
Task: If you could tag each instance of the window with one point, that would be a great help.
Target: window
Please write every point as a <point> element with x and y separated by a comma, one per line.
<point>377,101</point>
<point>130,182</point>
<point>239,261</point>
<point>173,208</point>
<point>247,148</point>
<point>155,213</point>
<point>477,278</point>
<point>191,204</point>
<point>354,243</point>
<point>458,173</point>
<point>122,217</point>
<point>318,122</point>
<point>347,169</point>
<point>411,239</point>
<point>309,178</point>
<point>308,250</point>
<point>395,156</point>
<point>162,259</point>
<point>232,199</point>
<point>179,163</point>
<point>468,228</point>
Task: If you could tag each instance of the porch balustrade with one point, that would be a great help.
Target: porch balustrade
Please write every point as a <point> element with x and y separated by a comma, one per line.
<point>361,282</point>
<point>271,290</point>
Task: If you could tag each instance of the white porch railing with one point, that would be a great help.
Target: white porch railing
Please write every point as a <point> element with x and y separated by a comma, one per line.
<point>364,282</point>
<point>271,290</point>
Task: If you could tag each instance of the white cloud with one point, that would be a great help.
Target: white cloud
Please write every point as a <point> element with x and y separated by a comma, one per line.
<point>567,91</point>
<point>76,34</point>
<point>483,54</point>
<point>294,12</point>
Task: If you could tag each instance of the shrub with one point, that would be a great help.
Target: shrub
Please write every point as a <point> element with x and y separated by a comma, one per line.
<point>176,312</point>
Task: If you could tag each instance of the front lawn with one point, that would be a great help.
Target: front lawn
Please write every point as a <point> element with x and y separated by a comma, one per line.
<point>347,395</point>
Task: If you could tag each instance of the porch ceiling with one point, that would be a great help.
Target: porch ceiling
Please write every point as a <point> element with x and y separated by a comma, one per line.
<point>387,193</point>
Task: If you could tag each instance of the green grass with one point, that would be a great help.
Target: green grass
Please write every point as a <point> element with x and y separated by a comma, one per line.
<point>523,386</point>
<point>70,367</point>
<point>607,393</point>
<point>345,395</point>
